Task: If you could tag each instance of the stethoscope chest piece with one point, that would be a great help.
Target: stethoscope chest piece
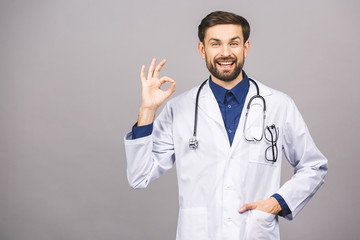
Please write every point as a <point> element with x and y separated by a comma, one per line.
<point>193,143</point>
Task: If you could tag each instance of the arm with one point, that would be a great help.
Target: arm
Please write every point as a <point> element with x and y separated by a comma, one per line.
<point>150,156</point>
<point>310,165</point>
<point>310,168</point>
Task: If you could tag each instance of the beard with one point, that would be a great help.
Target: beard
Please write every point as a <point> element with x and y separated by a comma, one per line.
<point>225,75</point>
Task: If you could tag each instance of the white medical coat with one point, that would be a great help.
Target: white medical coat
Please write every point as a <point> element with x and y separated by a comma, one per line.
<point>216,179</point>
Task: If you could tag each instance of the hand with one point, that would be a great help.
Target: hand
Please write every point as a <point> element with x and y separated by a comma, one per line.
<point>270,205</point>
<point>152,95</point>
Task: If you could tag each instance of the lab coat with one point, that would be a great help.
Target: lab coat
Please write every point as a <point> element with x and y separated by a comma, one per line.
<point>216,179</point>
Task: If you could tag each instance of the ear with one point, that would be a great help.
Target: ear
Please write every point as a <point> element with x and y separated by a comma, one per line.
<point>201,49</point>
<point>246,48</point>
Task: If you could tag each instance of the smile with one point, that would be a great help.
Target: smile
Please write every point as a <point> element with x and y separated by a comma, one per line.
<point>225,64</point>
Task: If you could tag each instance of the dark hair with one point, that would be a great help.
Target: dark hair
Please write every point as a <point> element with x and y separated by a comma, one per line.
<point>221,17</point>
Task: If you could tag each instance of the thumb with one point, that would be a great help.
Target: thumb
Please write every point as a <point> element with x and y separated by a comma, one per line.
<point>247,206</point>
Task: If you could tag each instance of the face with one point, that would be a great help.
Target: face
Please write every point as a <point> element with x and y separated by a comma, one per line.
<point>225,51</point>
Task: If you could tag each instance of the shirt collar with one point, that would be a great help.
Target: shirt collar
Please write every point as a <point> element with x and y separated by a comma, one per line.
<point>238,91</point>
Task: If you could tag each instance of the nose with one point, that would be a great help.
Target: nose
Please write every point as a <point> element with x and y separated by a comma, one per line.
<point>225,50</point>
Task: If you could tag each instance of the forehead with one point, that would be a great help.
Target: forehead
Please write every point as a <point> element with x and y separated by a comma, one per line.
<point>223,32</point>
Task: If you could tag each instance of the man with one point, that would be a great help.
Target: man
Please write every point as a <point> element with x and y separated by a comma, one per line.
<point>229,186</point>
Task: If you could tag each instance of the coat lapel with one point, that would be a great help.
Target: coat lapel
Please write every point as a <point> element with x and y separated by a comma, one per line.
<point>209,105</point>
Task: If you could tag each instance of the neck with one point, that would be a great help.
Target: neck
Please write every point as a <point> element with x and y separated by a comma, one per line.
<point>227,84</point>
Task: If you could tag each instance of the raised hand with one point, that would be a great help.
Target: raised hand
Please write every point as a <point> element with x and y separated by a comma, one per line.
<point>152,95</point>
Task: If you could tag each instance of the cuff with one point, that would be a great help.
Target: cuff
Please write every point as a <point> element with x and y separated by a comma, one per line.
<point>285,210</point>
<point>141,131</point>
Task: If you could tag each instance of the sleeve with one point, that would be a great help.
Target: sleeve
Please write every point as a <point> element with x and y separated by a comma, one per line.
<point>310,165</point>
<point>141,131</point>
<point>285,210</point>
<point>151,156</point>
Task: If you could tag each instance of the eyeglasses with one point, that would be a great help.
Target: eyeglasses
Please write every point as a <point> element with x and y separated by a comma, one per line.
<point>271,135</point>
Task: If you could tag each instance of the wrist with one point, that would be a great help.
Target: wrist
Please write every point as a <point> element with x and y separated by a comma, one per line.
<point>276,205</point>
<point>146,115</point>
<point>150,108</point>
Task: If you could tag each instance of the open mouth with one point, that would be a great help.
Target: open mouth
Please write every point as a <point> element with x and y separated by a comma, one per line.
<point>225,64</point>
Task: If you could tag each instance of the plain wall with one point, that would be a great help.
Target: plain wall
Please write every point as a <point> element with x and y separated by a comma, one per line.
<point>70,90</point>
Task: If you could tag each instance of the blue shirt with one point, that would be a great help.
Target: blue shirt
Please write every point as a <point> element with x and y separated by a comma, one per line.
<point>231,103</point>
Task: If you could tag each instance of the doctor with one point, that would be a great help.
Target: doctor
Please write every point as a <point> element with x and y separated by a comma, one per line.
<point>229,186</point>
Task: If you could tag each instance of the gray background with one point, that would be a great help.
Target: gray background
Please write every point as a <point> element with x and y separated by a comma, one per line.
<point>70,90</point>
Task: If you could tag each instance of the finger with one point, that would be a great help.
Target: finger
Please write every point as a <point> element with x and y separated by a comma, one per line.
<point>172,89</point>
<point>166,79</point>
<point>151,69</point>
<point>158,68</point>
<point>142,73</point>
<point>247,206</point>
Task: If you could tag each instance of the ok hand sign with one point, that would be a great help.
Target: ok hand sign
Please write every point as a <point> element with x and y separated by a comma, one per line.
<point>152,95</point>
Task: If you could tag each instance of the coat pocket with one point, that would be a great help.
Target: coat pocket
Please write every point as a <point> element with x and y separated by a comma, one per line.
<point>192,224</point>
<point>257,153</point>
<point>262,225</point>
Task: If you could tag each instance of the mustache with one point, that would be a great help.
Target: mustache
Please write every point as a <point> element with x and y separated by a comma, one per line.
<point>225,59</point>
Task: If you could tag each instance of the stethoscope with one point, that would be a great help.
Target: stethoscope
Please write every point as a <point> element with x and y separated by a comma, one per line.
<point>193,143</point>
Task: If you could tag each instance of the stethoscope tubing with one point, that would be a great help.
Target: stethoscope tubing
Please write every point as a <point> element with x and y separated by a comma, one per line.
<point>193,143</point>
<point>196,107</point>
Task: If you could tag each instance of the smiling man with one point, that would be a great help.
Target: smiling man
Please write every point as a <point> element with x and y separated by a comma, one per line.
<point>225,50</point>
<point>229,171</point>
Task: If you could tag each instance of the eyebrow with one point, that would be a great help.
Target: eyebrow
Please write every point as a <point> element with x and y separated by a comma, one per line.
<point>236,38</point>
<point>218,40</point>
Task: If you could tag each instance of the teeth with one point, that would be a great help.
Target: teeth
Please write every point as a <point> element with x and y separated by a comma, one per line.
<point>225,63</point>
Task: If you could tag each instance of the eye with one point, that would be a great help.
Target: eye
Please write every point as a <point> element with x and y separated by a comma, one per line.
<point>234,44</point>
<point>215,44</point>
